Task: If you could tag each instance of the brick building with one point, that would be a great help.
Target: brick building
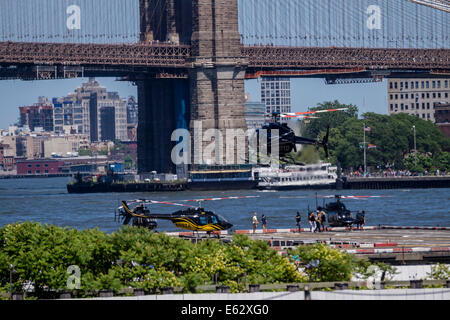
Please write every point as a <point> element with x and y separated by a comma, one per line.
<point>36,167</point>
<point>442,117</point>
<point>37,115</point>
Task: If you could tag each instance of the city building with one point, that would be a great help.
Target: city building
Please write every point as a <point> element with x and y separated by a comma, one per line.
<point>255,114</point>
<point>132,110</point>
<point>38,167</point>
<point>39,115</point>
<point>15,145</point>
<point>2,152</point>
<point>93,111</point>
<point>34,146</point>
<point>417,96</point>
<point>63,146</point>
<point>276,94</point>
<point>442,117</point>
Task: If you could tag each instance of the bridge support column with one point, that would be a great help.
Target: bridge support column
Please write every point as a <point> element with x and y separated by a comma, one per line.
<point>217,80</point>
<point>163,108</point>
<point>217,100</point>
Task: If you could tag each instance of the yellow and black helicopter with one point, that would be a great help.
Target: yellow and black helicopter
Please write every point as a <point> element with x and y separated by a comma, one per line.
<point>192,218</point>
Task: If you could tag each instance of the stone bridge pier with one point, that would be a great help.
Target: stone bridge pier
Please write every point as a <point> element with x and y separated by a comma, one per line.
<point>212,97</point>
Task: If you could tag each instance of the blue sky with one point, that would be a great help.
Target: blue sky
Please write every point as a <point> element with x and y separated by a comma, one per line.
<point>305,93</point>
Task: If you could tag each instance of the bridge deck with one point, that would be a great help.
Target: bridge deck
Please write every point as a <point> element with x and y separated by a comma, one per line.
<point>259,57</point>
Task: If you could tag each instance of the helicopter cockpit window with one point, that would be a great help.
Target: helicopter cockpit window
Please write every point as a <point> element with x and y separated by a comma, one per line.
<point>203,220</point>
<point>221,218</point>
<point>214,219</point>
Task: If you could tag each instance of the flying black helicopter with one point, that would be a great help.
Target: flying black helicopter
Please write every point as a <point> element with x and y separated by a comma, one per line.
<point>286,138</point>
<point>192,218</point>
<point>339,216</point>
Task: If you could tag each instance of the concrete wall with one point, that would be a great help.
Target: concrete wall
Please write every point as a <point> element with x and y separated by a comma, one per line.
<point>392,294</point>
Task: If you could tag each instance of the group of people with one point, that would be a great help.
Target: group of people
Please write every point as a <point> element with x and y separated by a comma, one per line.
<point>317,221</point>
<point>255,222</point>
<point>395,173</point>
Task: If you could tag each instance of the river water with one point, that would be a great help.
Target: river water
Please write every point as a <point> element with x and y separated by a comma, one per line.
<point>47,201</point>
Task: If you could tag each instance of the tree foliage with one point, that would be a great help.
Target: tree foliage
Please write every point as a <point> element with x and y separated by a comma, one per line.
<point>393,136</point>
<point>331,265</point>
<point>132,257</point>
<point>138,258</point>
<point>332,119</point>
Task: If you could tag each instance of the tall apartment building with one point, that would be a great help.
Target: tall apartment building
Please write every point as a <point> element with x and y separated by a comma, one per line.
<point>38,115</point>
<point>276,94</point>
<point>93,111</point>
<point>417,96</point>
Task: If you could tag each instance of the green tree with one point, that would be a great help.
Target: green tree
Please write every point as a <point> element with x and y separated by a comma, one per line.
<point>443,162</point>
<point>85,152</point>
<point>394,139</point>
<point>323,263</point>
<point>331,119</point>
<point>129,162</point>
<point>439,272</point>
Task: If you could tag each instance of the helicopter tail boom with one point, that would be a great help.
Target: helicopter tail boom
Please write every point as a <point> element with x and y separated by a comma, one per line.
<point>325,142</point>
<point>125,207</point>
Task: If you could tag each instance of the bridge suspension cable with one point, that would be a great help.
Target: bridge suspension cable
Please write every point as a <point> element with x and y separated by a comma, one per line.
<point>299,23</point>
<point>70,21</point>
<point>443,5</point>
<point>344,23</point>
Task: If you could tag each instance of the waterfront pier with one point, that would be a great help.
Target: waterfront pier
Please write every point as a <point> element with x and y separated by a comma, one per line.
<point>412,182</point>
<point>394,245</point>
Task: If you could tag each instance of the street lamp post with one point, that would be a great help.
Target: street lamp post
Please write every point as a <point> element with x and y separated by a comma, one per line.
<point>364,146</point>
<point>11,271</point>
<point>415,146</point>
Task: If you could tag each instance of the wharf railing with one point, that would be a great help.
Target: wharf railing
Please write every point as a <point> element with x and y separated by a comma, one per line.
<point>244,288</point>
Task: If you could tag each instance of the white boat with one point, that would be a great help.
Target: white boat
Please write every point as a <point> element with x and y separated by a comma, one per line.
<point>289,177</point>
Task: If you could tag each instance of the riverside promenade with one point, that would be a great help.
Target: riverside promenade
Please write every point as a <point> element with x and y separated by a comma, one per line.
<point>395,245</point>
<point>394,182</point>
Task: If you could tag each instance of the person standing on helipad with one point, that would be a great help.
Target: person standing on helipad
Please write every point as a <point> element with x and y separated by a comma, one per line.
<point>254,222</point>
<point>298,222</point>
<point>264,222</point>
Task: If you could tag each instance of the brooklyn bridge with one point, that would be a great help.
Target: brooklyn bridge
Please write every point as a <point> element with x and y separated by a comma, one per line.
<point>190,58</point>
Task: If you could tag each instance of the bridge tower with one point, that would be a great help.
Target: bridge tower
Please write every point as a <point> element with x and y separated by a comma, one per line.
<point>217,76</point>
<point>213,96</point>
<point>163,103</point>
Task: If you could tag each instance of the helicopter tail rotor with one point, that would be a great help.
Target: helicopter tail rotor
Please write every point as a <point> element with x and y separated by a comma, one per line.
<point>125,213</point>
<point>325,142</point>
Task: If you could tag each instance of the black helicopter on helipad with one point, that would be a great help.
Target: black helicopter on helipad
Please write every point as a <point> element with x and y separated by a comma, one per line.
<point>337,213</point>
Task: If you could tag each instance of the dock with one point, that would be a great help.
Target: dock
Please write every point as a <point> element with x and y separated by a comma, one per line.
<point>400,182</point>
<point>389,244</point>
